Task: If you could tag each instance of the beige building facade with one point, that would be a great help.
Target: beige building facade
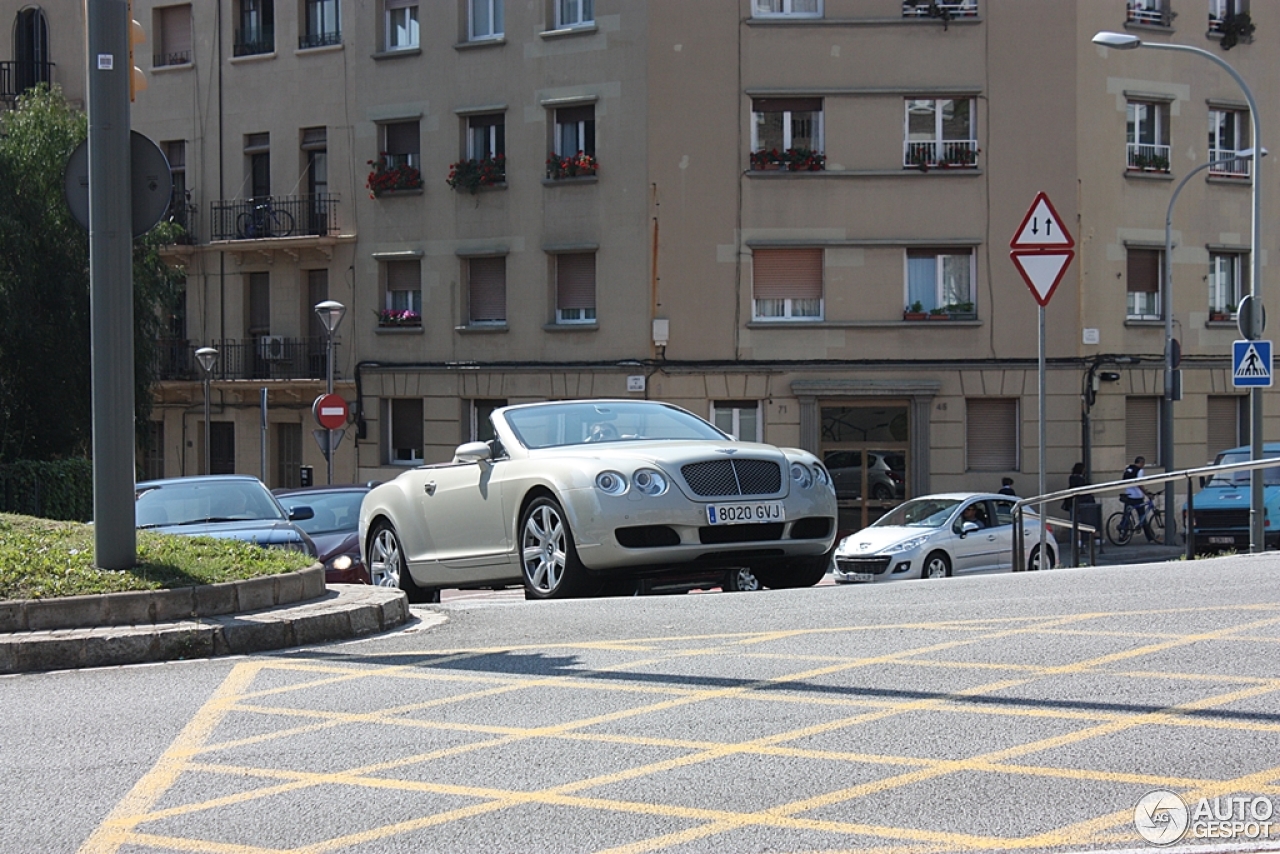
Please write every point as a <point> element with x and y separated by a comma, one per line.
<point>792,217</point>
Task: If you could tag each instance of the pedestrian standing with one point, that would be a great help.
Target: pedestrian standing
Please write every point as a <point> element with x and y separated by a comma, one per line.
<point>1006,487</point>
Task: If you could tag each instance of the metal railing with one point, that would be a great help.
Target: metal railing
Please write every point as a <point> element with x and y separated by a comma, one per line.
<point>1148,156</point>
<point>273,216</point>
<point>1229,164</point>
<point>1149,13</point>
<point>1019,547</point>
<point>310,40</point>
<point>262,357</point>
<point>17,77</point>
<point>174,57</point>
<point>944,153</point>
<point>953,8</point>
<point>254,40</point>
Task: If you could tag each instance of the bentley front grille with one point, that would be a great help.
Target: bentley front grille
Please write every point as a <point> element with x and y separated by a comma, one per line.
<point>721,478</point>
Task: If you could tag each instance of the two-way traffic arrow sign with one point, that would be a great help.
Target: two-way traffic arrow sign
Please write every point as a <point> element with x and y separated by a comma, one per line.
<point>1041,249</point>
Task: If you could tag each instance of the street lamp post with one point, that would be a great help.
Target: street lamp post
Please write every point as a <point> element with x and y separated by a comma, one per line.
<point>207,357</point>
<point>1124,41</point>
<point>1166,302</point>
<point>330,313</point>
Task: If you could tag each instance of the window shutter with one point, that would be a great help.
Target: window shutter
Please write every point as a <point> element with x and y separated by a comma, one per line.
<point>1224,423</point>
<point>403,276</point>
<point>1142,428</point>
<point>1144,271</point>
<point>795,105</point>
<point>401,138</point>
<point>576,281</point>
<point>257,143</point>
<point>399,4</point>
<point>787,273</point>
<point>487,278</point>
<point>991,439</point>
<point>314,139</point>
<point>406,425</point>
<point>175,31</point>
<point>573,115</point>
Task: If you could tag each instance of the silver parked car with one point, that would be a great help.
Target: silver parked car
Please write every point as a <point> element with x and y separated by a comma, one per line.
<point>936,536</point>
<point>582,497</point>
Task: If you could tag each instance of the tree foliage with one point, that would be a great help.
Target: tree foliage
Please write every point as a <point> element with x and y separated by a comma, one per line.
<point>45,355</point>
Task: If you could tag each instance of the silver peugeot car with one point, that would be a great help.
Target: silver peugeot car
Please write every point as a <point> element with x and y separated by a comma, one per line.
<point>937,536</point>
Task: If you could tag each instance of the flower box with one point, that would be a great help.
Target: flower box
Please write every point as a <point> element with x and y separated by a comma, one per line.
<point>790,160</point>
<point>398,317</point>
<point>579,165</point>
<point>386,178</point>
<point>914,315</point>
<point>470,175</point>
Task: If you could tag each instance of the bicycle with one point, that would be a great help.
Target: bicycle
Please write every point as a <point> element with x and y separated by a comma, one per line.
<point>1122,524</point>
<point>264,220</point>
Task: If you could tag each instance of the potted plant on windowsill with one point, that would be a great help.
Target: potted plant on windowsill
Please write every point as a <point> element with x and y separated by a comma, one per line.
<point>468,176</point>
<point>388,179</point>
<point>1222,314</point>
<point>577,165</point>
<point>961,158</point>
<point>961,311</point>
<point>939,313</point>
<point>915,311</point>
<point>390,317</point>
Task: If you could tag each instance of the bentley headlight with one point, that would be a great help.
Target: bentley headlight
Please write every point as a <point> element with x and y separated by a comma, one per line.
<point>611,483</point>
<point>820,476</point>
<point>649,481</point>
<point>801,475</point>
<point>906,545</point>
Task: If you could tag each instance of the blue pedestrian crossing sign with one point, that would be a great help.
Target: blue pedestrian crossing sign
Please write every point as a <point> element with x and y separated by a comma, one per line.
<point>1251,364</point>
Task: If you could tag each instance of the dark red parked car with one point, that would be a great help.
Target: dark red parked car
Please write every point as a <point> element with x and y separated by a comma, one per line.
<point>333,527</point>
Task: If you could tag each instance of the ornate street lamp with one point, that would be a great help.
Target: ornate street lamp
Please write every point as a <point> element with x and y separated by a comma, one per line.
<point>207,357</point>
<point>330,313</point>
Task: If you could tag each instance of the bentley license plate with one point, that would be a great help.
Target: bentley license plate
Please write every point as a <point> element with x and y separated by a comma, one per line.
<point>745,514</point>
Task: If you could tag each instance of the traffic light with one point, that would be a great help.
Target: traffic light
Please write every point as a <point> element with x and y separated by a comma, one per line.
<point>137,35</point>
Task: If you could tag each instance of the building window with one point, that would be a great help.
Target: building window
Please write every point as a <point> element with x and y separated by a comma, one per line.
<point>575,13</point>
<point>31,63</point>
<point>485,19</point>
<point>480,419</point>
<point>255,28</point>
<point>740,419</point>
<point>576,287</point>
<point>486,290</point>
<point>403,417</point>
<point>322,23</point>
<point>401,145</point>
<point>941,281</point>
<point>485,163</point>
<point>1221,10</point>
<point>174,26</point>
<point>786,133</point>
<point>786,284</point>
<point>1229,133</point>
<point>153,453</point>
<point>1228,425</point>
<point>259,304</point>
<point>315,160</point>
<point>486,136</point>
<point>1155,12</point>
<point>1142,429</point>
<point>939,132</point>
<point>288,456</point>
<point>403,303</point>
<point>1147,135</point>
<point>222,447</point>
<point>945,9</point>
<point>1228,282</point>
<point>573,150</point>
<point>786,8</point>
<point>1144,268</point>
<point>992,440</point>
<point>181,211</point>
<point>257,153</point>
<point>401,24</point>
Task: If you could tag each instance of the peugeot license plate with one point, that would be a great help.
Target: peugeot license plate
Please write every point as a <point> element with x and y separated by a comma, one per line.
<point>1222,541</point>
<point>743,514</point>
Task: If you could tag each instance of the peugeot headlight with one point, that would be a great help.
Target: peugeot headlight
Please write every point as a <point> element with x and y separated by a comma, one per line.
<point>611,483</point>
<point>906,545</point>
<point>801,475</point>
<point>649,481</point>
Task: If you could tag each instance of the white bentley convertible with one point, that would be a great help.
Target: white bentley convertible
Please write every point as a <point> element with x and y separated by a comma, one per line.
<point>581,497</point>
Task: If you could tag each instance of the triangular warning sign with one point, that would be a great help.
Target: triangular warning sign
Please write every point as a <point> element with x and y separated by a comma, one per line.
<point>1042,228</point>
<point>1042,271</point>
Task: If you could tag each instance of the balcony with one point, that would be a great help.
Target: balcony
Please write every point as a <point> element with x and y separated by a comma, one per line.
<point>182,211</point>
<point>18,77</point>
<point>948,10</point>
<point>1233,169</point>
<point>256,40</point>
<point>272,217</point>
<point>1146,157</point>
<point>177,57</point>
<point>940,154</point>
<point>311,40</point>
<point>1151,12</point>
<point>264,357</point>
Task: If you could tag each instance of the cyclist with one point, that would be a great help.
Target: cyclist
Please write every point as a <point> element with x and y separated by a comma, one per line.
<point>1136,496</point>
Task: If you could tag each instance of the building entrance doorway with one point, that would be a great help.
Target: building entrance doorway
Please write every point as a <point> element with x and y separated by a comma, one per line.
<point>866,446</point>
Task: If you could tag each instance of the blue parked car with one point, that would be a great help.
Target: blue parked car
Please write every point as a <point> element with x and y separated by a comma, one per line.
<point>1221,520</point>
<point>230,506</point>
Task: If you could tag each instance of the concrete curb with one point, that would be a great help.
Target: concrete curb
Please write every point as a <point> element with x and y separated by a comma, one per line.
<point>345,611</point>
<point>161,606</point>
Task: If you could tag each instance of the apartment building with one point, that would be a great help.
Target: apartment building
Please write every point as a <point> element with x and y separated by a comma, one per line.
<point>792,217</point>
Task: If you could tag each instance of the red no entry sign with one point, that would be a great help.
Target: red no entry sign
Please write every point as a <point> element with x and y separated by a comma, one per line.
<point>330,411</point>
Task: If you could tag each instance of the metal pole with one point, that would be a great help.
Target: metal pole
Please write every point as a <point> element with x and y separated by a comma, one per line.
<point>1040,510</point>
<point>329,390</point>
<point>1257,540</point>
<point>207,392</point>
<point>111,283</point>
<point>262,431</point>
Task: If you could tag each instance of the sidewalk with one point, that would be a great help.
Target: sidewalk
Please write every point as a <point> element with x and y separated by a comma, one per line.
<point>1137,551</point>
<point>343,611</point>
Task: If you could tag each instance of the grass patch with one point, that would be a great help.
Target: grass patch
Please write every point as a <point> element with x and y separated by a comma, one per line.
<point>43,559</point>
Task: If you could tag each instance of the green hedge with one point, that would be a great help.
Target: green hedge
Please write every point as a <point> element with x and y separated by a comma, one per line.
<point>60,489</point>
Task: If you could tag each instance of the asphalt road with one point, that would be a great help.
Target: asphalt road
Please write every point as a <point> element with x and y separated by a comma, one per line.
<point>1019,712</point>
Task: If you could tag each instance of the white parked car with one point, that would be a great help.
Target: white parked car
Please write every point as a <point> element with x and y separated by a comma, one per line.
<point>576,498</point>
<point>936,536</point>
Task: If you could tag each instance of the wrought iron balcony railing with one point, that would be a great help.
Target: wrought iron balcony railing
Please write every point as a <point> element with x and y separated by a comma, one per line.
<point>254,40</point>
<point>17,77</point>
<point>310,40</point>
<point>949,8</point>
<point>265,357</point>
<point>176,57</point>
<point>940,153</point>
<point>273,216</point>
